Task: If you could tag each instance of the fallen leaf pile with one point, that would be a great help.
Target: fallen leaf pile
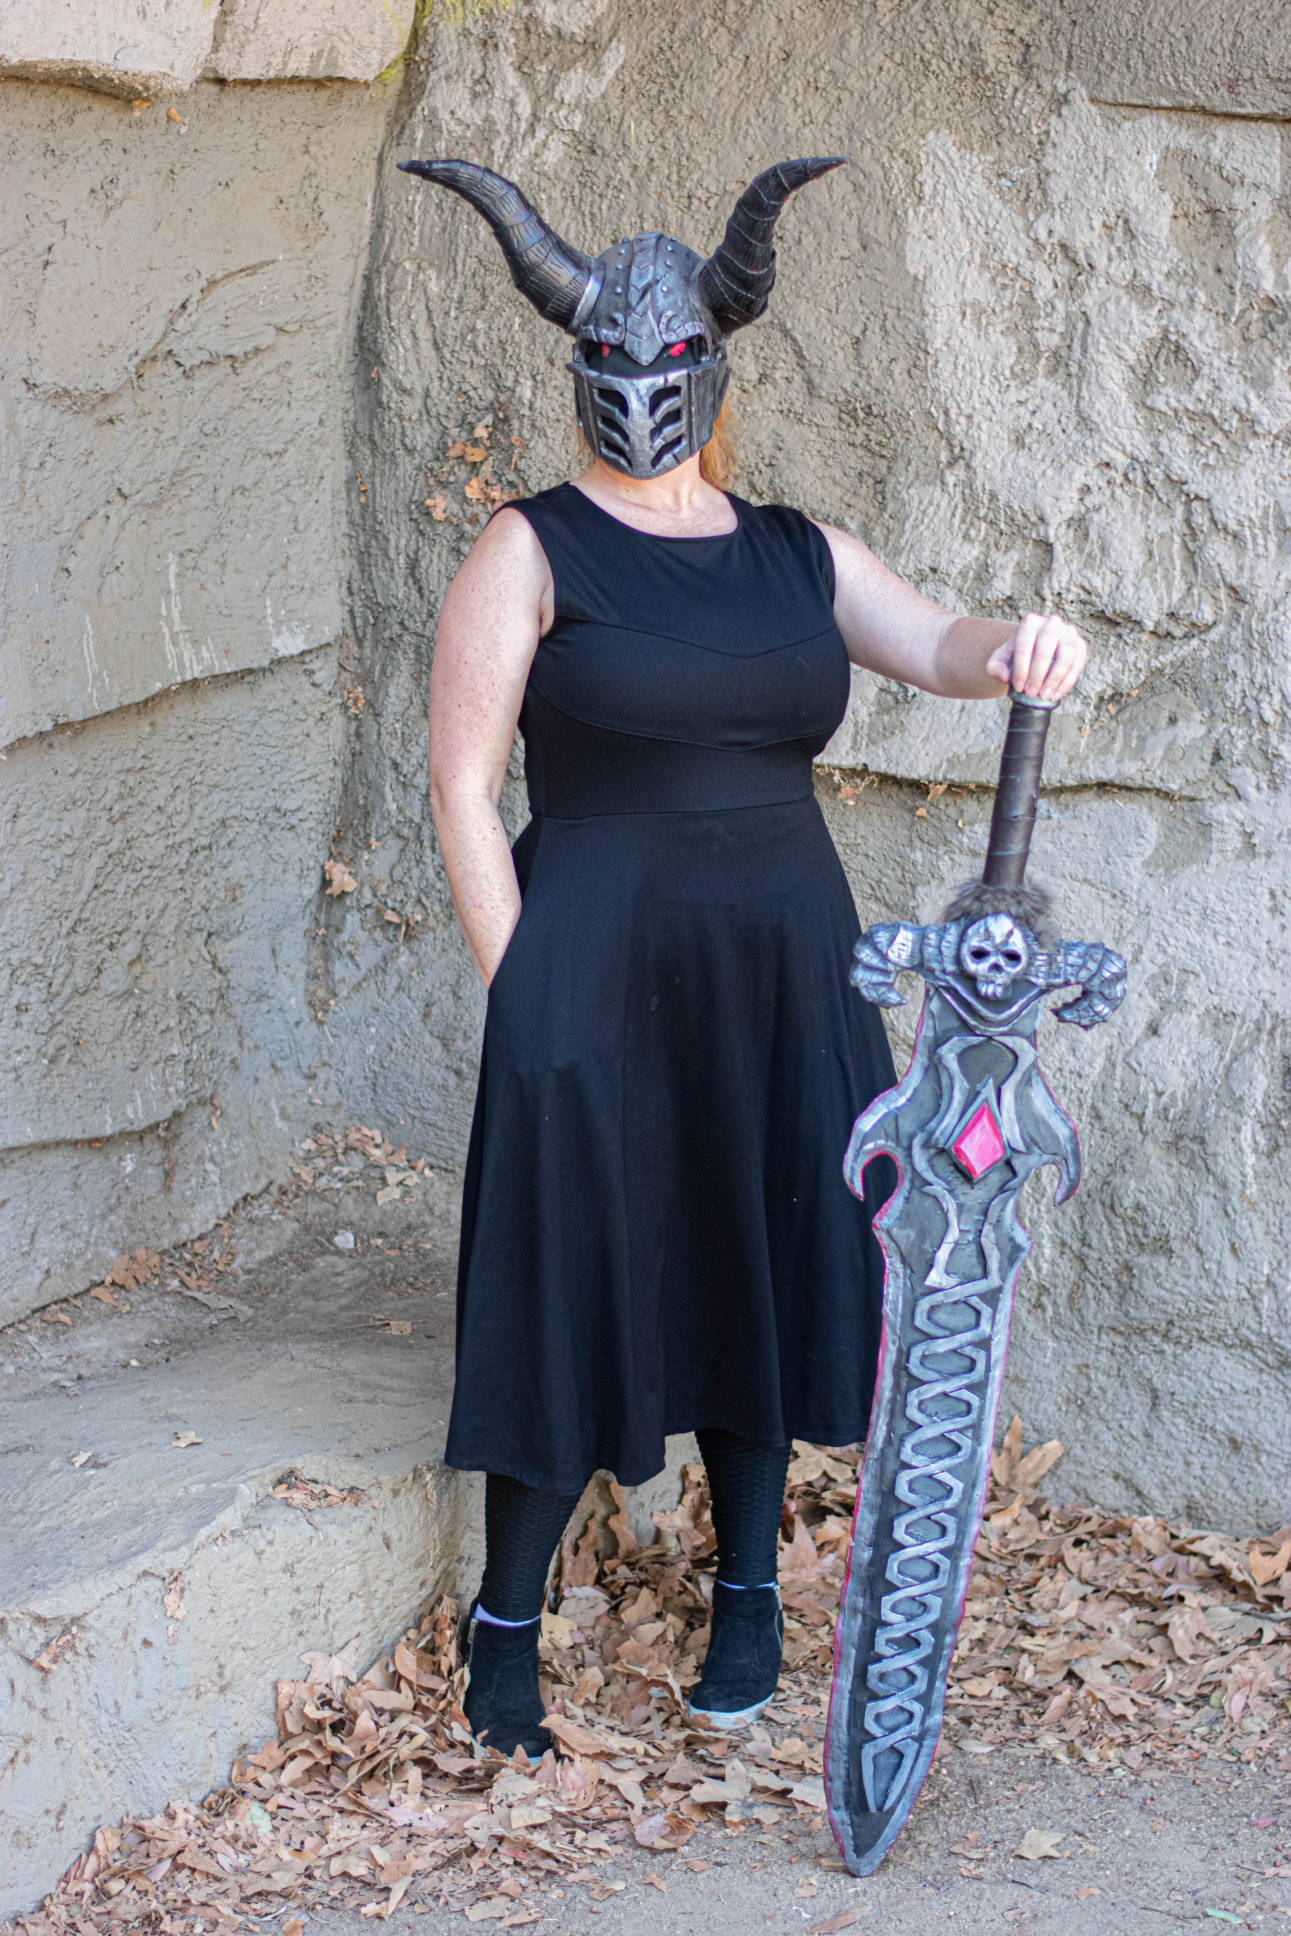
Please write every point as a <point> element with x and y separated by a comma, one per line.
<point>1120,1639</point>
<point>374,1794</point>
<point>308,1495</point>
<point>1110,1639</point>
<point>326,1162</point>
<point>133,1269</point>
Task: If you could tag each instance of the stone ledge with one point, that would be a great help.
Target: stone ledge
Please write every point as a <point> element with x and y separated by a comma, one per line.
<point>153,1592</point>
<point>129,47</point>
<point>135,48</point>
<point>278,40</point>
<point>150,1599</point>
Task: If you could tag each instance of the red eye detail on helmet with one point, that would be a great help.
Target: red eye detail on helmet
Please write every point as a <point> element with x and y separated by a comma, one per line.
<point>676,349</point>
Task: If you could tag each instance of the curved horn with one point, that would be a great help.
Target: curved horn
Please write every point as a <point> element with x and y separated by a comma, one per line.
<point>552,275</point>
<point>737,279</point>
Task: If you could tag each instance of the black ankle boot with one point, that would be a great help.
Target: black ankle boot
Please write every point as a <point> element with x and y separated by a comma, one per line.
<point>743,1662</point>
<point>502,1702</point>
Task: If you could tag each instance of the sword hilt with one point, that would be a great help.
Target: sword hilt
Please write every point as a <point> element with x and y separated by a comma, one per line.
<point>1018,791</point>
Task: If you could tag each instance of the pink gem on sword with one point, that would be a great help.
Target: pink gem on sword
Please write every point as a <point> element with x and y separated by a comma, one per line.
<point>980,1143</point>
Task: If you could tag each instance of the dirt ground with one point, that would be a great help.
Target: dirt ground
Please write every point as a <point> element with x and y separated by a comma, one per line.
<point>1134,1856</point>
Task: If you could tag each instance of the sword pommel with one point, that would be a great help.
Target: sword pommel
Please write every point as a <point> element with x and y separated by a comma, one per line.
<point>1018,792</point>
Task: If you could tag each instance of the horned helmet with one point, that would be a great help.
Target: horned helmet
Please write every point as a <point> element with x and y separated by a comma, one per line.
<point>650,319</point>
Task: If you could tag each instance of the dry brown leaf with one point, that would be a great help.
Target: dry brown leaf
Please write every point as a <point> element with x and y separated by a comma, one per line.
<point>800,1560</point>
<point>1266,1567</point>
<point>1010,1452</point>
<point>664,1831</point>
<point>1039,1460</point>
<point>1000,1522</point>
<point>1185,1627</point>
<point>332,1671</point>
<point>1038,1843</point>
<point>182,1439</point>
<point>577,1738</point>
<point>619,1522</point>
<point>556,1632</point>
<point>579,1563</point>
<point>338,877</point>
<point>133,1269</point>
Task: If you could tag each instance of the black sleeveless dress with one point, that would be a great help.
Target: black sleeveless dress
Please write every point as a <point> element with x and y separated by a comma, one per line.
<point>656,1234</point>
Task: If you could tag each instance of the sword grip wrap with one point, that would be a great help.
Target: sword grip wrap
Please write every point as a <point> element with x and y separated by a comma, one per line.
<point>1018,791</point>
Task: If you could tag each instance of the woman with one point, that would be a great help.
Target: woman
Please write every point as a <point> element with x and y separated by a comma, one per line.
<point>656,1236</point>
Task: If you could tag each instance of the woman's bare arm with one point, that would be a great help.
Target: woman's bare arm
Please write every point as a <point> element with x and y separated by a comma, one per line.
<point>497,608</point>
<point>891,629</point>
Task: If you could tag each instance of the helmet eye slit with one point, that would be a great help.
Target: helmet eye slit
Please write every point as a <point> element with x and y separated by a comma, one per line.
<point>665,399</point>
<point>665,455</point>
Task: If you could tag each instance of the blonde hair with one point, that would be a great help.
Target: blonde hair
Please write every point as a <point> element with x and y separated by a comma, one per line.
<point>718,461</point>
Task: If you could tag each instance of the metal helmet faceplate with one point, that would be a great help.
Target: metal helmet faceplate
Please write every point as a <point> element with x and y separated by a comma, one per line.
<point>651,299</point>
<point>648,308</point>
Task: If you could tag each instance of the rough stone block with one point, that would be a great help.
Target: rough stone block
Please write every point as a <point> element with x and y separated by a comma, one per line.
<point>277,40</point>
<point>184,1592</point>
<point>163,867</point>
<point>179,300</point>
<point>1231,60</point>
<point>129,47</point>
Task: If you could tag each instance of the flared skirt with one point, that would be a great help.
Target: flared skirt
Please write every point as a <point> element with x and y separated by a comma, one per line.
<point>656,1234</point>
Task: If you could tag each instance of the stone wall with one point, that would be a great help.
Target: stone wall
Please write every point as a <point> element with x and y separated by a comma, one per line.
<point>1031,344</point>
<point>179,303</point>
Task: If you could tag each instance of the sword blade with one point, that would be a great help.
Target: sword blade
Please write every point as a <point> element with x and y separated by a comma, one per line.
<point>971,1120</point>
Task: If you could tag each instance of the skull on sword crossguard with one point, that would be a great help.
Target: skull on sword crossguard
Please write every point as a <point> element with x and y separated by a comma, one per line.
<point>967,1125</point>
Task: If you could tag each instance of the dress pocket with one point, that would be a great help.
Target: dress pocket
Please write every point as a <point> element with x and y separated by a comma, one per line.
<point>508,958</point>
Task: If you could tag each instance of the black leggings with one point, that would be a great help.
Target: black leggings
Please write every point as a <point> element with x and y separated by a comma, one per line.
<point>522,1526</point>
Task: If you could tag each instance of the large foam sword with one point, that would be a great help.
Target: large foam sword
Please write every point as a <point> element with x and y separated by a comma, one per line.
<point>967,1125</point>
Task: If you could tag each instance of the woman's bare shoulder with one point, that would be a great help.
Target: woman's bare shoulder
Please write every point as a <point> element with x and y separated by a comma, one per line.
<point>508,536</point>
<point>504,578</point>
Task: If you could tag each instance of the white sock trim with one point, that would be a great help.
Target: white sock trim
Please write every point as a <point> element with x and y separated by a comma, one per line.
<point>491,1619</point>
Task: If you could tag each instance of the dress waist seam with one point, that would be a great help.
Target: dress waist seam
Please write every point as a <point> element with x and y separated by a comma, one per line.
<point>674,813</point>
